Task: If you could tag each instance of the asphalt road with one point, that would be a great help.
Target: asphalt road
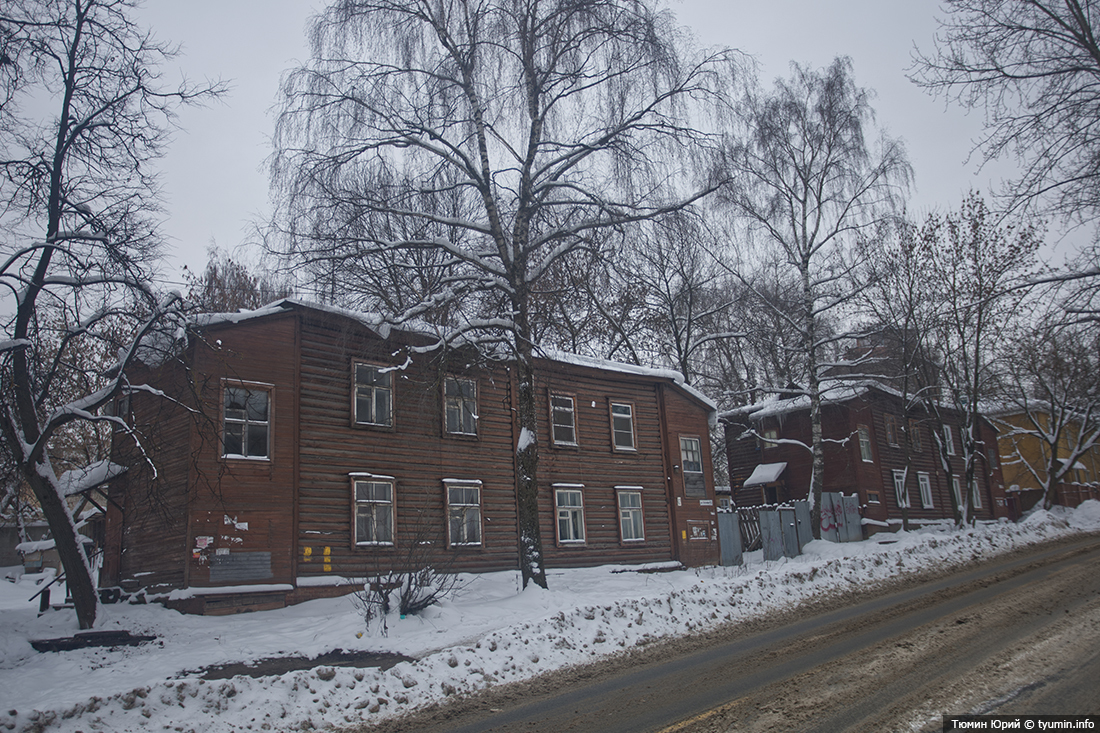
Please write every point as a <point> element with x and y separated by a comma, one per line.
<point>1020,634</point>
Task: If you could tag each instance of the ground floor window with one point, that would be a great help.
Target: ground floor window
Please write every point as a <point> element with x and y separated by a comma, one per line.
<point>631,524</point>
<point>463,512</point>
<point>925,483</point>
<point>900,491</point>
<point>373,496</point>
<point>569,503</point>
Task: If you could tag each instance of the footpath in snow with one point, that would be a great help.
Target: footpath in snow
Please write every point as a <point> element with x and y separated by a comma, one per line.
<point>489,633</point>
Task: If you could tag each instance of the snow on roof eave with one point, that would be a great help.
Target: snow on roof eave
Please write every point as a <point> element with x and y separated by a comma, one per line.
<point>643,371</point>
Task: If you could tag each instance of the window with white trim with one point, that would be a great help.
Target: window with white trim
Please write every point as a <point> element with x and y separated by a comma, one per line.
<point>924,481</point>
<point>374,514</point>
<point>956,489</point>
<point>865,443</point>
<point>900,492</point>
<point>691,459</point>
<point>460,405</point>
<point>569,505</point>
<point>622,425</point>
<point>563,422</point>
<point>948,440</point>
<point>463,512</point>
<point>373,395</point>
<point>976,494</point>
<point>246,428</point>
<point>631,524</point>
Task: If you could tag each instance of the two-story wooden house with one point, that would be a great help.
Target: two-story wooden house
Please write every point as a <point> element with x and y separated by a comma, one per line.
<point>299,447</point>
<point>873,449</point>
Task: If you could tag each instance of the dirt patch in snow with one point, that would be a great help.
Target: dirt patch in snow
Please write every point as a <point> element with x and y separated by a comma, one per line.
<point>271,666</point>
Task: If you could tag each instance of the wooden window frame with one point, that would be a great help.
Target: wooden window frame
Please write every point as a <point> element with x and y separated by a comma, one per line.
<point>891,423</point>
<point>250,387</point>
<point>388,371</point>
<point>356,502</point>
<point>769,437</point>
<point>638,511</point>
<point>924,482</point>
<point>573,412</point>
<point>573,511</point>
<point>956,489</point>
<point>633,447</point>
<point>464,506</point>
<point>863,434</point>
<point>915,442</point>
<point>463,403</point>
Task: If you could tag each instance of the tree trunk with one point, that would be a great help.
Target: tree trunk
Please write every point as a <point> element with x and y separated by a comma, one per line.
<point>78,574</point>
<point>527,460</point>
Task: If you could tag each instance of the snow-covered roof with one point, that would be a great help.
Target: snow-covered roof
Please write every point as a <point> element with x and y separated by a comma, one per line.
<point>88,477</point>
<point>765,473</point>
<point>377,324</point>
<point>833,392</point>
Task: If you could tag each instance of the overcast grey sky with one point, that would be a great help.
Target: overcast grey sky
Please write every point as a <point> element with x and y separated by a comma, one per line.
<point>213,175</point>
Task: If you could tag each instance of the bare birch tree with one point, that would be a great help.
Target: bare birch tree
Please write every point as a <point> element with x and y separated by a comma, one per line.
<point>808,181</point>
<point>1033,66</point>
<point>500,135</point>
<point>78,196</point>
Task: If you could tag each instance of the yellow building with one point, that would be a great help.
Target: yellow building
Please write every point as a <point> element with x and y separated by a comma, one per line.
<point>1025,444</point>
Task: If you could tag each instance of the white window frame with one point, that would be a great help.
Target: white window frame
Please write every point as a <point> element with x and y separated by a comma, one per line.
<point>901,492</point>
<point>462,406</point>
<point>865,453</point>
<point>570,410</point>
<point>617,431</point>
<point>247,423</point>
<point>770,438</point>
<point>686,450</point>
<point>924,481</point>
<point>569,514</point>
<point>376,505</point>
<point>370,391</point>
<point>631,515</point>
<point>976,494</point>
<point>464,505</point>
<point>956,488</point>
<point>948,440</point>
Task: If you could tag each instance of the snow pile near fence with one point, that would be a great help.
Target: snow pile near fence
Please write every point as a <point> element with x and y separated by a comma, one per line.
<point>490,633</point>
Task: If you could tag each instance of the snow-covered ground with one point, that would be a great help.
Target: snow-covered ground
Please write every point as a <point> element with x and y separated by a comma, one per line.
<point>489,633</point>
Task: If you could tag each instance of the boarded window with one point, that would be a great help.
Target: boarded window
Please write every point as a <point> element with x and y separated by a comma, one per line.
<point>373,395</point>
<point>460,398</point>
<point>373,512</point>
<point>630,516</point>
<point>563,423</point>
<point>622,426</point>
<point>246,430</point>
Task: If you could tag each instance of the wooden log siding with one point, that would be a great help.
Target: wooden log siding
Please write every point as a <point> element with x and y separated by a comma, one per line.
<point>417,452</point>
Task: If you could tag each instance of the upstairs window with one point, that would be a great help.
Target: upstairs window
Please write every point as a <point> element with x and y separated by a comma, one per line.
<point>246,429</point>
<point>569,505</point>
<point>948,440</point>
<point>691,459</point>
<point>373,511</point>
<point>563,424</point>
<point>622,425</point>
<point>460,398</point>
<point>463,512</point>
<point>914,437</point>
<point>891,430</point>
<point>373,395</point>
<point>770,438</point>
<point>865,443</point>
